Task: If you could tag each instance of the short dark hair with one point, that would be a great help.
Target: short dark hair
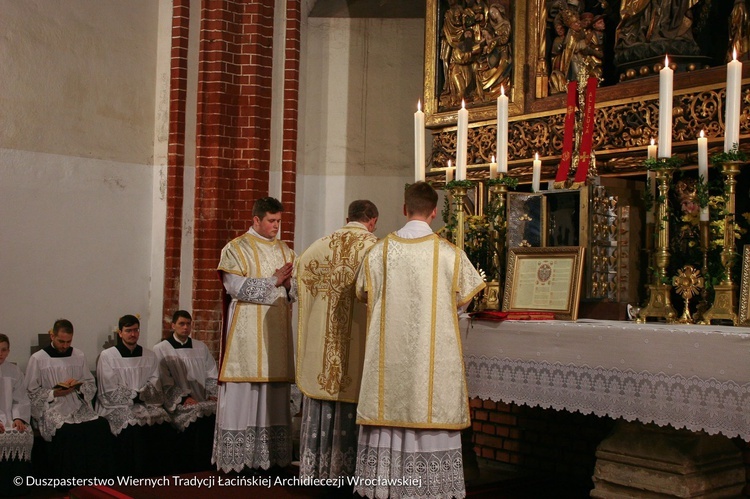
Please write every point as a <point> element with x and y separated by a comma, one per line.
<point>362,210</point>
<point>181,313</point>
<point>63,325</point>
<point>420,199</point>
<point>266,205</point>
<point>127,321</point>
<point>4,339</point>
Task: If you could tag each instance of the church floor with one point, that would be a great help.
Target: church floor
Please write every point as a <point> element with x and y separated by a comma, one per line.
<point>495,482</point>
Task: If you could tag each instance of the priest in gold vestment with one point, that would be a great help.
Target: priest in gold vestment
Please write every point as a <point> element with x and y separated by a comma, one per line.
<point>413,400</point>
<point>253,418</point>
<point>330,344</point>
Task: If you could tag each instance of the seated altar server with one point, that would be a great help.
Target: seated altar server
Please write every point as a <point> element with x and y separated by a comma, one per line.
<point>16,438</point>
<point>132,400</point>
<point>193,369</point>
<point>61,388</point>
<point>413,400</point>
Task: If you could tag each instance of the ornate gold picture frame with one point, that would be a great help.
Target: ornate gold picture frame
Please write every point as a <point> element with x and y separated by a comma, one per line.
<point>743,318</point>
<point>544,280</point>
<point>438,60</point>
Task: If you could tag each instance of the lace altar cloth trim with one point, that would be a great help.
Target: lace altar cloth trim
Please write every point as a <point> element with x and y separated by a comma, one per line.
<point>690,402</point>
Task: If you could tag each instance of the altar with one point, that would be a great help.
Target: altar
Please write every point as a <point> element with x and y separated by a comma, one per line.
<point>690,377</point>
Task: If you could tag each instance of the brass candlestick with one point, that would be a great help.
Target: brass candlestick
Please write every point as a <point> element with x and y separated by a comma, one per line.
<point>457,201</point>
<point>725,297</point>
<point>497,196</point>
<point>703,306</point>
<point>659,301</point>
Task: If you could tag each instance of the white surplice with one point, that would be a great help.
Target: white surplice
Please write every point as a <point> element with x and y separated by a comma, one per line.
<point>194,372</point>
<point>121,380</point>
<point>49,412</point>
<point>14,404</point>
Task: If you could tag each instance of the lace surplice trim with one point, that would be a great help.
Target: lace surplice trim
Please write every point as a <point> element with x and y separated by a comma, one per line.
<point>16,444</point>
<point>437,474</point>
<point>151,395</point>
<point>212,387</point>
<point>48,420</point>
<point>122,395</point>
<point>136,414</point>
<point>258,290</point>
<point>184,415</point>
<point>252,447</point>
<point>334,464</point>
<point>683,402</point>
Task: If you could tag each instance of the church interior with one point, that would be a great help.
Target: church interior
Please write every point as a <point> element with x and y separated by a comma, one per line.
<point>605,141</point>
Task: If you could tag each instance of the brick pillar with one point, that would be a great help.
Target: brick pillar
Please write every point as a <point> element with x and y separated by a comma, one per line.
<point>176,158</point>
<point>291,101</point>
<point>232,143</point>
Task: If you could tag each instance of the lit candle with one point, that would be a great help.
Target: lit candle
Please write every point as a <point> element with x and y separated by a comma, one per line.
<point>703,169</point>
<point>652,150</point>
<point>493,168</point>
<point>449,173</point>
<point>665,110</point>
<point>651,176</point>
<point>536,173</point>
<point>419,165</point>
<point>733,104</point>
<point>502,130</point>
<point>462,141</point>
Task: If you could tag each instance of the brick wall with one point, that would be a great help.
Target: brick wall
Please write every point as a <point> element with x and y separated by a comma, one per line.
<point>232,140</point>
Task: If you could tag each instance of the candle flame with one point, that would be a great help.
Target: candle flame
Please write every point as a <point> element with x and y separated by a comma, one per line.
<point>734,53</point>
<point>702,134</point>
<point>536,157</point>
<point>492,160</point>
<point>502,90</point>
<point>419,105</point>
<point>653,142</point>
<point>666,61</point>
<point>463,104</point>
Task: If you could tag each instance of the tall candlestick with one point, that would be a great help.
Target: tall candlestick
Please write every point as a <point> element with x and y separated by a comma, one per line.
<point>665,110</point>
<point>493,168</point>
<point>652,150</point>
<point>651,177</point>
<point>419,166</point>
<point>449,173</point>
<point>703,169</point>
<point>536,173</point>
<point>462,142</point>
<point>733,104</point>
<point>502,130</point>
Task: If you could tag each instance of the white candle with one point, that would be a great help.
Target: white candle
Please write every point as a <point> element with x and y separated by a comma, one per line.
<point>652,150</point>
<point>651,176</point>
<point>665,110</point>
<point>419,165</point>
<point>449,173</point>
<point>502,130</point>
<point>493,168</point>
<point>536,173</point>
<point>733,104</point>
<point>703,169</point>
<point>462,141</point>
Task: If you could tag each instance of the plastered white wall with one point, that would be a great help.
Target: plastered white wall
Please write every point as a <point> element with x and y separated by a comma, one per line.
<point>82,125</point>
<point>360,82</point>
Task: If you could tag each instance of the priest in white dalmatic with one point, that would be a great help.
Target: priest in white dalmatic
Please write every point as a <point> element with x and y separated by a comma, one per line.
<point>193,370</point>
<point>61,389</point>
<point>16,438</point>
<point>253,417</point>
<point>331,344</point>
<point>413,401</point>
<point>131,398</point>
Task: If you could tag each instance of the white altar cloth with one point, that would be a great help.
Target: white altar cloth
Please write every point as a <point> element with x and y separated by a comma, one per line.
<point>694,377</point>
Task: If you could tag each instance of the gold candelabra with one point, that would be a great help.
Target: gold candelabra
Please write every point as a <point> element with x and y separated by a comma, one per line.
<point>725,297</point>
<point>497,196</point>
<point>458,194</point>
<point>659,301</point>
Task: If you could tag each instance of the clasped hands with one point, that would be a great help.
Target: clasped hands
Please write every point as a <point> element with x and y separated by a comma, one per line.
<point>17,425</point>
<point>284,275</point>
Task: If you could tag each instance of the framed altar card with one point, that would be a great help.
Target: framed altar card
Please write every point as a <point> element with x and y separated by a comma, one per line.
<point>544,280</point>
<point>525,216</point>
<point>743,318</point>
